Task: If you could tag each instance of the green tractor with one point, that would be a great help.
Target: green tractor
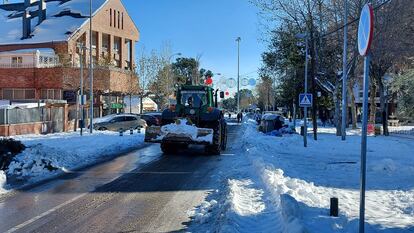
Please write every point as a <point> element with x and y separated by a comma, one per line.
<point>194,119</point>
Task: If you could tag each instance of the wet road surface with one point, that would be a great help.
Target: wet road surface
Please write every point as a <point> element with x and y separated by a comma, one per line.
<point>143,191</point>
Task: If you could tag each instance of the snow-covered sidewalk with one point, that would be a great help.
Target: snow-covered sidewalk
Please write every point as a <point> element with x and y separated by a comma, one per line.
<point>50,155</point>
<point>277,179</point>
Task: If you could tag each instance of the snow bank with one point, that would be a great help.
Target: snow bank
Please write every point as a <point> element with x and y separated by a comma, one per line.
<point>202,213</point>
<point>329,168</point>
<point>48,155</point>
<point>2,182</point>
<point>291,214</point>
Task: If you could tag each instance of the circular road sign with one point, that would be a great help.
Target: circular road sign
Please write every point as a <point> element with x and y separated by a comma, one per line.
<point>252,82</point>
<point>244,82</point>
<point>365,29</point>
<point>231,83</point>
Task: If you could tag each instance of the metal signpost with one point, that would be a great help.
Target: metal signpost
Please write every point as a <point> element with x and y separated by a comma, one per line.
<point>365,34</point>
<point>305,101</point>
<point>305,105</point>
<point>238,74</point>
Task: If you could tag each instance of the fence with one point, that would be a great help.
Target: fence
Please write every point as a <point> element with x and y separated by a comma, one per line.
<point>32,120</point>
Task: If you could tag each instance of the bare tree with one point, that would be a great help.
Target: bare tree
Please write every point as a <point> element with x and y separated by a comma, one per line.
<point>148,67</point>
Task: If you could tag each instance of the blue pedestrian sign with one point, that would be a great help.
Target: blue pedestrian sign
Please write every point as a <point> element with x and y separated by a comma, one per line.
<point>305,100</point>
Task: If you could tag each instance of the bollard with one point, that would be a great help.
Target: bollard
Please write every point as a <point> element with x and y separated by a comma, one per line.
<point>334,210</point>
<point>121,132</point>
<point>131,131</point>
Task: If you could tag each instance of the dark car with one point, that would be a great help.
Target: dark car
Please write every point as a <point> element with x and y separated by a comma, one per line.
<point>152,118</point>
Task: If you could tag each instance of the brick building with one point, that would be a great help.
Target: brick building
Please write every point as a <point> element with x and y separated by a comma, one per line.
<point>40,55</point>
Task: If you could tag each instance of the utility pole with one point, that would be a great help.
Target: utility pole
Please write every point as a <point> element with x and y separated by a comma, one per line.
<point>344,74</point>
<point>82,103</point>
<point>305,36</point>
<point>90,69</point>
<point>238,74</point>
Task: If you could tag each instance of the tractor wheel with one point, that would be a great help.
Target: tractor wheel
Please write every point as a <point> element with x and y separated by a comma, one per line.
<point>168,148</point>
<point>215,148</point>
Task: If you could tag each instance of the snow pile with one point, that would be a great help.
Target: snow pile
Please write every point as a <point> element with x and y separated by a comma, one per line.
<point>302,180</point>
<point>184,128</point>
<point>240,191</point>
<point>248,209</point>
<point>48,155</point>
<point>202,213</point>
<point>2,181</point>
<point>291,214</point>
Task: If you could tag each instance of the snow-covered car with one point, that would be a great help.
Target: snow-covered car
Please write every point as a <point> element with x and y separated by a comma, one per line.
<point>270,122</point>
<point>117,122</point>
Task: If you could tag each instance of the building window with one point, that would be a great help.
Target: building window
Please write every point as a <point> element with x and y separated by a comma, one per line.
<point>110,17</point>
<point>94,39</point>
<point>122,20</point>
<point>17,61</point>
<point>114,18</point>
<point>51,94</point>
<point>128,47</point>
<point>19,94</point>
<point>117,44</point>
<point>105,42</point>
<point>119,19</point>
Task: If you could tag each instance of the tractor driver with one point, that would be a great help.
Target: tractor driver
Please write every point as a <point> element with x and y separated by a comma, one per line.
<point>190,101</point>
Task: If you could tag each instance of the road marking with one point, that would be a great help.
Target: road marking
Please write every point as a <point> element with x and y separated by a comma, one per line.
<point>126,173</point>
<point>30,221</point>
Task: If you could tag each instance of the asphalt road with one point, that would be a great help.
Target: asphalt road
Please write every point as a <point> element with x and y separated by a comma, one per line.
<point>143,191</point>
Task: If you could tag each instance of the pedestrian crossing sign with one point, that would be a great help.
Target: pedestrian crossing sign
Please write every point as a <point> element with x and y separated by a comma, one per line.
<point>305,100</point>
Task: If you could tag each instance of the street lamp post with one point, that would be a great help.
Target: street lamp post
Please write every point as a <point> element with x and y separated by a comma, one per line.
<point>90,69</point>
<point>238,74</point>
<point>82,103</point>
<point>305,109</point>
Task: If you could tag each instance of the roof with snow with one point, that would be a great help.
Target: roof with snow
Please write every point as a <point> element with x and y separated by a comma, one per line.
<point>63,18</point>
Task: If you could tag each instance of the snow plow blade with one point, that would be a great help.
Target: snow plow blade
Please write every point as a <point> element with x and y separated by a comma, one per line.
<point>154,134</point>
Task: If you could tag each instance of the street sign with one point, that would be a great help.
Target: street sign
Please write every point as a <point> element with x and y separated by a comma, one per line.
<point>231,83</point>
<point>305,100</point>
<point>365,29</point>
<point>365,34</point>
<point>252,82</point>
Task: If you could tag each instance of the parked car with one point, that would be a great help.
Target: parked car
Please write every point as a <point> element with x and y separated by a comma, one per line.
<point>152,118</point>
<point>116,122</point>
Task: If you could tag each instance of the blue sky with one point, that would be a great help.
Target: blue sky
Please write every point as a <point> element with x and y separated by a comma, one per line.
<point>202,27</point>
